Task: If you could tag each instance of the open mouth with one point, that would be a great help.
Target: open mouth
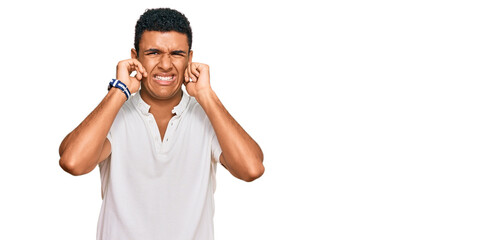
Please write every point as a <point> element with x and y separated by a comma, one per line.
<point>164,79</point>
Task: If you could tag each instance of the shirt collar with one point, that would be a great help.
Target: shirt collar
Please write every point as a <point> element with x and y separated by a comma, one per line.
<point>178,109</point>
<point>144,107</point>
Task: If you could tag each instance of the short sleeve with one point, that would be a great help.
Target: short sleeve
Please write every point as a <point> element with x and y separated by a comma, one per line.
<point>109,136</point>
<point>216,151</point>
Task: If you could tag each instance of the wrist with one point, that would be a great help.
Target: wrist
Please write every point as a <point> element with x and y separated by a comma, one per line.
<point>117,95</point>
<point>205,96</point>
<point>115,83</point>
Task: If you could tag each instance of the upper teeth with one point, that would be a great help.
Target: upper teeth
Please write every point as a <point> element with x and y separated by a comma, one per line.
<point>164,78</point>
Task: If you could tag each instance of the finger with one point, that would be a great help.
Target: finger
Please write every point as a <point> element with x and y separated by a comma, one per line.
<point>186,76</point>
<point>188,72</point>
<point>193,78</point>
<point>136,72</point>
<point>196,69</point>
<point>131,66</point>
<point>194,73</point>
<point>135,65</point>
<point>138,76</point>
<point>142,69</point>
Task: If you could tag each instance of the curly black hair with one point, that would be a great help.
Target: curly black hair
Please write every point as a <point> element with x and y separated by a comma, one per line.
<point>162,20</point>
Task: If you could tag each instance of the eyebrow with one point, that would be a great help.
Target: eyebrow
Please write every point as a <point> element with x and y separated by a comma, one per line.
<point>152,50</point>
<point>178,52</point>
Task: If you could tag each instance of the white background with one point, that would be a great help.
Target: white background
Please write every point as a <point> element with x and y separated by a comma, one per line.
<point>378,119</point>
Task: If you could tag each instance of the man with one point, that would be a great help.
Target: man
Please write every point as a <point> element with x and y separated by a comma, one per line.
<point>157,149</point>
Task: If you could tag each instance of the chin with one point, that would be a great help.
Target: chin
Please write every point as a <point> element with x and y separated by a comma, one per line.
<point>163,92</point>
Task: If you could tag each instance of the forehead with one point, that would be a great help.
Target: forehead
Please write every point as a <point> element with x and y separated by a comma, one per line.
<point>164,40</point>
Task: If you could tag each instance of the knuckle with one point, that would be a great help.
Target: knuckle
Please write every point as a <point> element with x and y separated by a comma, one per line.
<point>121,63</point>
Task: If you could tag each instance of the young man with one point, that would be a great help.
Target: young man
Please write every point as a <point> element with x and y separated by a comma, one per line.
<point>157,149</point>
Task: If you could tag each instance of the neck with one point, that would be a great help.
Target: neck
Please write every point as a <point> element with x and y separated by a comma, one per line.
<point>161,108</point>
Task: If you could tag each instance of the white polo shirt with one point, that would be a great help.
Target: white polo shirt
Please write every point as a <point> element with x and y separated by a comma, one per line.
<point>155,189</point>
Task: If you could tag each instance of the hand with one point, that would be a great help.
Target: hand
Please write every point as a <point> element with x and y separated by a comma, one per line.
<point>197,79</point>
<point>124,70</point>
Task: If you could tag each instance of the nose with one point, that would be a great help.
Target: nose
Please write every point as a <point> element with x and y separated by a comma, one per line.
<point>165,62</point>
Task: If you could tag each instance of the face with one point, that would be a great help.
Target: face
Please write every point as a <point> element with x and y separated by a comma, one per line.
<point>165,56</point>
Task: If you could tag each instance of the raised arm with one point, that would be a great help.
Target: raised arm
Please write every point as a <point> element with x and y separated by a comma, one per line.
<point>87,145</point>
<point>241,155</point>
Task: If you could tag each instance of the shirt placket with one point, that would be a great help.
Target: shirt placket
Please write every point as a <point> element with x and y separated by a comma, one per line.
<point>170,130</point>
<point>154,132</point>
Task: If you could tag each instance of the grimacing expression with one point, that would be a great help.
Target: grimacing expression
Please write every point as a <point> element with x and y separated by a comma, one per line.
<point>165,56</point>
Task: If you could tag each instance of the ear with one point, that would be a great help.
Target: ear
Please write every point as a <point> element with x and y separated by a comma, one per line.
<point>190,56</point>
<point>134,55</point>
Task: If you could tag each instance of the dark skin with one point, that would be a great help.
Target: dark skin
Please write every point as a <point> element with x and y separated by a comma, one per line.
<point>163,64</point>
<point>162,55</point>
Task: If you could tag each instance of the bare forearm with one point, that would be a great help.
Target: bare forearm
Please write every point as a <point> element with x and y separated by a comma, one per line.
<point>81,150</point>
<point>242,156</point>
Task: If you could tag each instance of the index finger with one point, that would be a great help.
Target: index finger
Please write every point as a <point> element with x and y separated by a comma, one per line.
<point>134,64</point>
<point>186,75</point>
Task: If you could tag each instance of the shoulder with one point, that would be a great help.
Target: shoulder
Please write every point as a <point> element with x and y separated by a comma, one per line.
<point>127,113</point>
<point>194,109</point>
<point>128,108</point>
<point>195,112</point>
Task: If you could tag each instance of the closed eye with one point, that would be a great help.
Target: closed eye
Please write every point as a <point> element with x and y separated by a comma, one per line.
<point>152,51</point>
<point>178,53</point>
